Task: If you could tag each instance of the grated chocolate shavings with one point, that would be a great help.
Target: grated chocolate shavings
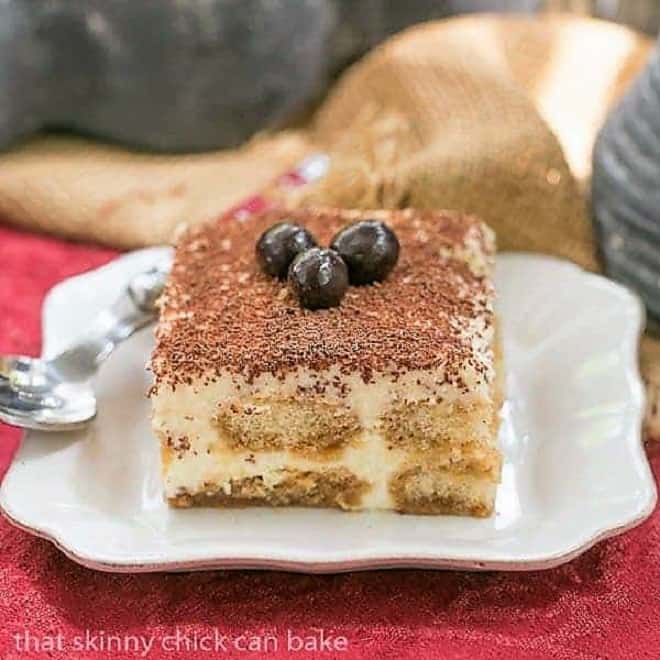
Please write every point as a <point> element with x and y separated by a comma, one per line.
<point>220,312</point>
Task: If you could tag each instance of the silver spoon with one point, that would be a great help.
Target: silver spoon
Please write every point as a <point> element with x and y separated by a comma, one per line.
<point>55,394</point>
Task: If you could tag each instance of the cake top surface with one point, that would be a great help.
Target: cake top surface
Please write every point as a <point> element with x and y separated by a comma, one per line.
<point>221,313</point>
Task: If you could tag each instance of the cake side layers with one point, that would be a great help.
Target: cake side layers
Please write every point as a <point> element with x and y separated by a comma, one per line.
<point>369,474</point>
<point>415,412</point>
<point>202,463</point>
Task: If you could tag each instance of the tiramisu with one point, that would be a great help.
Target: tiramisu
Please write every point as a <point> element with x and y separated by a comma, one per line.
<point>379,392</point>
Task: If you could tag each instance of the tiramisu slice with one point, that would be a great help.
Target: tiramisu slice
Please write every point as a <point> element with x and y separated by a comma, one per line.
<point>386,399</point>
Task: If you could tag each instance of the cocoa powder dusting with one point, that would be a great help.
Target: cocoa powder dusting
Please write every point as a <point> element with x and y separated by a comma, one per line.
<point>220,312</point>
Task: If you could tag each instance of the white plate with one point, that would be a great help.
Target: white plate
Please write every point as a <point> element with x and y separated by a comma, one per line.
<point>574,471</point>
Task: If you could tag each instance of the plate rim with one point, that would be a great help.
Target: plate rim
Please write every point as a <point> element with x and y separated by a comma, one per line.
<point>375,561</point>
<point>331,567</point>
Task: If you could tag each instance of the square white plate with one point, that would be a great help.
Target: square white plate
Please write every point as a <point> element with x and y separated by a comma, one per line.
<point>574,471</point>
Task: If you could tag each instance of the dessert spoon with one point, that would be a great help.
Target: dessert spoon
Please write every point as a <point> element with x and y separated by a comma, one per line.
<point>55,394</point>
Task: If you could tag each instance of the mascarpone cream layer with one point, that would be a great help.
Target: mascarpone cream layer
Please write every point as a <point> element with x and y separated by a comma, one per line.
<point>190,408</point>
<point>201,456</point>
<point>370,460</point>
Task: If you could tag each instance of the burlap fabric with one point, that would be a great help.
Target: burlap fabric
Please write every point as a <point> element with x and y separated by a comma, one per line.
<point>495,115</point>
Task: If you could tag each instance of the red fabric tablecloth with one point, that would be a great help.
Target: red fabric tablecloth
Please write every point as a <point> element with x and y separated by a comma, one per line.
<point>605,604</point>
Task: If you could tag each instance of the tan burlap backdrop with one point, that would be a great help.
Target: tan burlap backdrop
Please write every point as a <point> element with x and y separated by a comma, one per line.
<point>496,115</point>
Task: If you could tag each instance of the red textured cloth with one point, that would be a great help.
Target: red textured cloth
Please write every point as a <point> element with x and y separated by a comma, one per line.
<point>605,604</point>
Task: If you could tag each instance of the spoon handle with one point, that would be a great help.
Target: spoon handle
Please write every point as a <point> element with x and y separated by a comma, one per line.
<point>133,310</point>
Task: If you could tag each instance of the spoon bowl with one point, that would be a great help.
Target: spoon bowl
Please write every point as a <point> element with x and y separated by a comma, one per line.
<point>56,394</point>
<point>32,397</point>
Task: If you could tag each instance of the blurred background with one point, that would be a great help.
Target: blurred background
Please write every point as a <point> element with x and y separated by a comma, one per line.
<point>195,74</point>
<point>642,14</point>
